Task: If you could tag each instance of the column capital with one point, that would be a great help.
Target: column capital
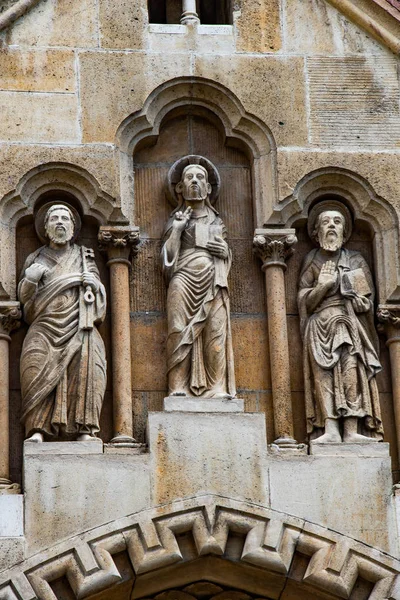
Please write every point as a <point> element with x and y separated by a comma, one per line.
<point>389,318</point>
<point>10,317</point>
<point>119,241</point>
<point>274,246</point>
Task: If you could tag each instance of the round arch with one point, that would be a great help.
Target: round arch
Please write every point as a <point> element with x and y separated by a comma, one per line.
<point>220,540</point>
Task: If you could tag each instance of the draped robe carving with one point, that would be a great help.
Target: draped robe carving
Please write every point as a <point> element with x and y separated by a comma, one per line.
<point>63,365</point>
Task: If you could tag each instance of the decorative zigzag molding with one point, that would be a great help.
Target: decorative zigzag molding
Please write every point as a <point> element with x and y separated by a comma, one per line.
<point>150,538</point>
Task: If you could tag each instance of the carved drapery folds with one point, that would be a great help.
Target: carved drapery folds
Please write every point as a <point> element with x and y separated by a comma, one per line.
<point>10,315</point>
<point>273,247</point>
<point>120,240</point>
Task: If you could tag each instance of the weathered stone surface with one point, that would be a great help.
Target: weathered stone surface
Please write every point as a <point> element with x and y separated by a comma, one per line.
<point>123,24</point>
<point>251,349</point>
<point>121,85</point>
<point>205,405</point>
<point>380,169</point>
<point>332,32</point>
<point>362,484</point>
<point>12,552</point>
<point>280,105</point>
<point>58,23</point>
<point>39,117</point>
<point>258,26</point>
<point>354,102</point>
<point>11,515</point>
<point>190,458</point>
<point>67,494</point>
<point>37,70</point>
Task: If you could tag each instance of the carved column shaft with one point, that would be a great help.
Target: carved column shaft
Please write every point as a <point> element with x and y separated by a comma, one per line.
<point>119,241</point>
<point>9,319</point>
<point>390,317</point>
<point>273,248</point>
<point>189,13</point>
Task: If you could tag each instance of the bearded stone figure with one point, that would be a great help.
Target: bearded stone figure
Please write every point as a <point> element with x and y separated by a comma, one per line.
<point>63,362</point>
<point>196,262</point>
<point>336,295</point>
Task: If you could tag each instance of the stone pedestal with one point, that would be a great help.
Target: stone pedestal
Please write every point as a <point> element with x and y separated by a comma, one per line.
<point>218,453</point>
<point>371,449</point>
<point>191,404</point>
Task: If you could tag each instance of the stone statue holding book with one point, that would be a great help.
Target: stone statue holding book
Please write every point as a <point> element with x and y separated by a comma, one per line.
<point>63,360</point>
<point>196,260</point>
<point>336,296</point>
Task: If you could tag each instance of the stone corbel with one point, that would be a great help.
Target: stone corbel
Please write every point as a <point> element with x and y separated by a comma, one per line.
<point>389,316</point>
<point>10,315</point>
<point>120,240</point>
<point>273,247</point>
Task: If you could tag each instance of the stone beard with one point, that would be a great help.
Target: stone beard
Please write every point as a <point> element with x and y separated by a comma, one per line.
<point>63,362</point>
<point>341,360</point>
<point>196,262</point>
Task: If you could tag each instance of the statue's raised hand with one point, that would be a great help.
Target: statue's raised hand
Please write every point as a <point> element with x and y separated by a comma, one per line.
<point>328,274</point>
<point>35,272</point>
<point>181,219</point>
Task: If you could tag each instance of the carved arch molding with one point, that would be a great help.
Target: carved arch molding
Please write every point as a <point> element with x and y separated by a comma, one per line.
<point>231,544</point>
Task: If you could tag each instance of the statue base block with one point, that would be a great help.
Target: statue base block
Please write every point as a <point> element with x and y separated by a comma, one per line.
<point>203,405</point>
<point>95,446</point>
<point>368,450</point>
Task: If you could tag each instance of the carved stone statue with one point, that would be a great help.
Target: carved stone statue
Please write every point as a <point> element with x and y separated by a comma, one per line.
<point>336,295</point>
<point>63,361</point>
<point>196,262</point>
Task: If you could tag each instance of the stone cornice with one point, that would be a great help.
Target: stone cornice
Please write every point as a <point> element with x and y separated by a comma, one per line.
<point>150,538</point>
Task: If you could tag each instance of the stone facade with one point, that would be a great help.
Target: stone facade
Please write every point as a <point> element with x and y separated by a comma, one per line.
<point>204,496</point>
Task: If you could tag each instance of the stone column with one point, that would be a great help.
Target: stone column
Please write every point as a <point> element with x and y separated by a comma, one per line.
<point>389,316</point>
<point>118,240</point>
<point>189,13</point>
<point>273,247</point>
<point>10,315</point>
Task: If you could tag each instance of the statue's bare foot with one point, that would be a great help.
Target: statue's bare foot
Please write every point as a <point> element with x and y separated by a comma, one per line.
<point>328,438</point>
<point>86,437</point>
<point>223,395</point>
<point>357,438</point>
<point>35,437</point>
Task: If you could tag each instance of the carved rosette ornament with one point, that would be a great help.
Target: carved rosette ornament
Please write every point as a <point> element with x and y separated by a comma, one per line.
<point>120,240</point>
<point>274,248</point>
<point>10,316</point>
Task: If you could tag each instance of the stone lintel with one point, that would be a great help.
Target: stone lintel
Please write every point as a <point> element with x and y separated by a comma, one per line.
<point>94,446</point>
<point>203,405</point>
<point>368,450</point>
<point>274,246</point>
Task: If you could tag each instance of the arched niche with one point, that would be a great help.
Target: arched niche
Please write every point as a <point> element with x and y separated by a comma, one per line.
<point>239,129</point>
<point>375,235</point>
<point>46,183</point>
<point>189,129</point>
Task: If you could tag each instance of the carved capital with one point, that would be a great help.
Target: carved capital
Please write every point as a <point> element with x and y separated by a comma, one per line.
<point>389,321</point>
<point>274,246</point>
<point>10,316</point>
<point>119,241</point>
